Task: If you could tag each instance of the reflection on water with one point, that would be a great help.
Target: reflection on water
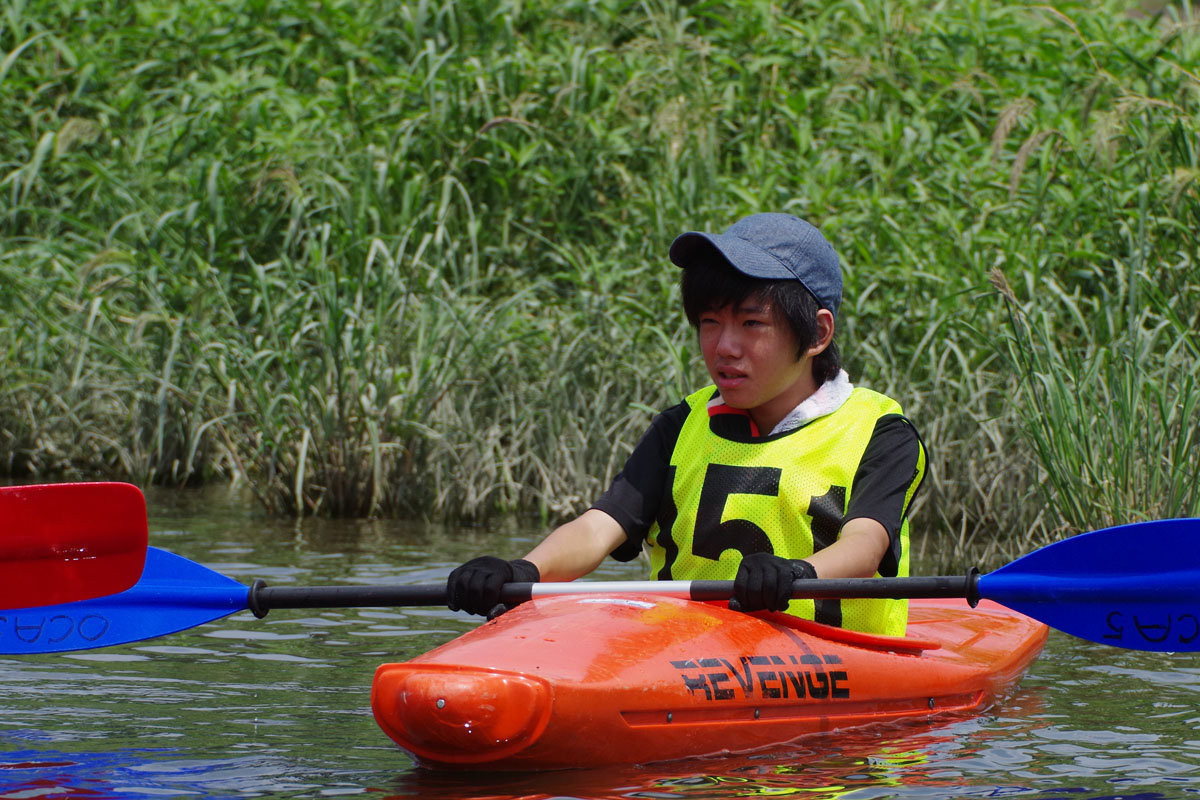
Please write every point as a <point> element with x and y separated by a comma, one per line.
<point>153,773</point>
<point>278,707</point>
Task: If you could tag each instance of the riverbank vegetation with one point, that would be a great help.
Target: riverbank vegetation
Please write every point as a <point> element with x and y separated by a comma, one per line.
<point>409,258</point>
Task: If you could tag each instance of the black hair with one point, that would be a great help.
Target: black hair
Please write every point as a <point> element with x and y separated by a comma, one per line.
<point>711,282</point>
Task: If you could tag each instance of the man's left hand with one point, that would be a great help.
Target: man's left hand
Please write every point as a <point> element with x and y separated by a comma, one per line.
<point>764,581</point>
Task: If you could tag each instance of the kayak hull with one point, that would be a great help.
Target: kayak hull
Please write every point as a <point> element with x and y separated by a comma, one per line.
<point>592,680</point>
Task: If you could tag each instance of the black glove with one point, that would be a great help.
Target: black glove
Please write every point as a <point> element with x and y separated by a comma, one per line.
<point>475,586</point>
<point>764,581</point>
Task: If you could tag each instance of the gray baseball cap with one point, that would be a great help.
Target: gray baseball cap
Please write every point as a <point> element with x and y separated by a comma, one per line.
<point>775,247</point>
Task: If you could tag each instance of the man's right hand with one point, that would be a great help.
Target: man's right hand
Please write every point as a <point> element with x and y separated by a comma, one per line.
<point>475,586</point>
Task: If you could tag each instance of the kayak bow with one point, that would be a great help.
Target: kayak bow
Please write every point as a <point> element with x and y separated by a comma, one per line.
<point>594,680</point>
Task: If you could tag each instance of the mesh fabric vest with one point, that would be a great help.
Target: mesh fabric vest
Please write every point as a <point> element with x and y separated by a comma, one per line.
<point>785,494</point>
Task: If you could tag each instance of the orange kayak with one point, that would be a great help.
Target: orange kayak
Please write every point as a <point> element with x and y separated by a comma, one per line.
<point>594,680</point>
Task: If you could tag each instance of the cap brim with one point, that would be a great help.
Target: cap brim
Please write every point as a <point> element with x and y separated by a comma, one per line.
<point>746,258</point>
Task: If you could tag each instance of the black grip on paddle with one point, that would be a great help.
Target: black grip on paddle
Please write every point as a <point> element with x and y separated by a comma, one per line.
<point>262,598</point>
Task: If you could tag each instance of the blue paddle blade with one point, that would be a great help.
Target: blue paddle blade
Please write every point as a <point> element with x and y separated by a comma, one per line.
<point>1135,586</point>
<point>173,594</point>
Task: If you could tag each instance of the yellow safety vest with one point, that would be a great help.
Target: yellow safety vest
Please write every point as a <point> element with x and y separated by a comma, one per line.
<point>784,494</point>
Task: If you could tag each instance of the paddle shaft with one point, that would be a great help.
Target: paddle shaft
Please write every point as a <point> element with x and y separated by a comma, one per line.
<point>262,598</point>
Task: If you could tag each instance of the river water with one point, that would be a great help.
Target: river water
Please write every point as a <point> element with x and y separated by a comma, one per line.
<point>278,707</point>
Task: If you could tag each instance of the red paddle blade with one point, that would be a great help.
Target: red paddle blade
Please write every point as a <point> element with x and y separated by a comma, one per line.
<point>69,541</point>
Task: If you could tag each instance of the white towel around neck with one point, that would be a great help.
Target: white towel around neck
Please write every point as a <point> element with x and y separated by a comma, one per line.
<point>828,398</point>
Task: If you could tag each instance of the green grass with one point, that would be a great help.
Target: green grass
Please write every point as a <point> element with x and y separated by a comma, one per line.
<point>377,258</point>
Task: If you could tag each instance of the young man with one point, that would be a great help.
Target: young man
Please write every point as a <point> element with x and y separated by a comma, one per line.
<point>781,470</point>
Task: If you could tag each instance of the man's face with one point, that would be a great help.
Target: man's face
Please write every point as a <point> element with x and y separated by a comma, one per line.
<point>750,353</point>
